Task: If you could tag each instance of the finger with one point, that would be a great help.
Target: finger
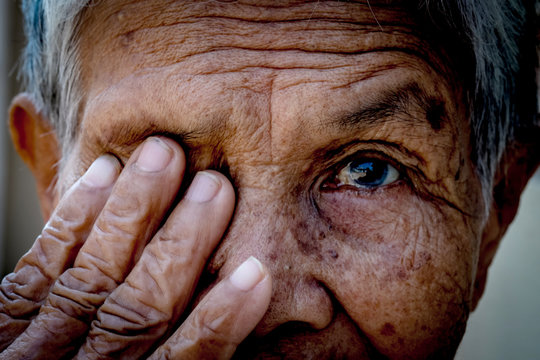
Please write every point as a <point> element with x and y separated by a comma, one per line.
<point>224,318</point>
<point>156,292</point>
<point>55,248</point>
<point>138,203</point>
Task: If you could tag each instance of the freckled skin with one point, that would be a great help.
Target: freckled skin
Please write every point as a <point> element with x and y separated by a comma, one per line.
<point>253,90</point>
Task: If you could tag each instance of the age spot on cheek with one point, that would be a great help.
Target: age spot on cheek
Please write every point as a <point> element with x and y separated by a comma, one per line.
<point>388,330</point>
<point>404,271</point>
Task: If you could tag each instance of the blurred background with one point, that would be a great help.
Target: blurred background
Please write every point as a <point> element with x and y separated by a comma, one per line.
<point>506,324</point>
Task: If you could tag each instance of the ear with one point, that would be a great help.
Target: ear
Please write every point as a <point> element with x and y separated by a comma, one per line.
<point>36,143</point>
<point>517,167</point>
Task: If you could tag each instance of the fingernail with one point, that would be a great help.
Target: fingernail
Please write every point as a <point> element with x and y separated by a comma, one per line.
<point>248,275</point>
<point>102,172</point>
<point>203,188</point>
<point>154,156</point>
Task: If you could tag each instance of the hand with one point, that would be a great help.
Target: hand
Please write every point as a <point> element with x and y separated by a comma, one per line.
<point>109,278</point>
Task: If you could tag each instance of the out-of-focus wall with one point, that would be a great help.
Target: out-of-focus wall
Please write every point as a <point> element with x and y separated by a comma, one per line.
<point>3,137</point>
<point>505,326</point>
<point>20,221</point>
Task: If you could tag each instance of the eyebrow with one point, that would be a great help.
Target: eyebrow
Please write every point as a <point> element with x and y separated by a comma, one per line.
<point>397,101</point>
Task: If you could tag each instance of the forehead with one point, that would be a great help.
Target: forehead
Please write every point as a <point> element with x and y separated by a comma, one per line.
<point>256,45</point>
<point>215,36</point>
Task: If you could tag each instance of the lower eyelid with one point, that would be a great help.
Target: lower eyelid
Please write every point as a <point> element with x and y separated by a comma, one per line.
<point>354,191</point>
<point>350,208</point>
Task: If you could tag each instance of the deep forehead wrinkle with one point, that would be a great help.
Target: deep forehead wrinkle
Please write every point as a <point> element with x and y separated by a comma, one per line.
<point>255,11</point>
<point>392,102</point>
<point>197,35</point>
<point>199,27</point>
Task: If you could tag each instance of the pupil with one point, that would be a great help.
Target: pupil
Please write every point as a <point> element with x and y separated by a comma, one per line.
<point>371,173</point>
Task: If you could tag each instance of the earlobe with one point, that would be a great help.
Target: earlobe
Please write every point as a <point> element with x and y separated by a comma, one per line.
<point>491,238</point>
<point>36,143</point>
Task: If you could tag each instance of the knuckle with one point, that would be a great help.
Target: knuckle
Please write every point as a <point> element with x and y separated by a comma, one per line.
<point>105,259</point>
<point>180,246</point>
<point>127,310</point>
<point>124,328</point>
<point>66,222</point>
<point>185,240</point>
<point>72,220</point>
<point>52,252</point>
<point>126,201</point>
<point>78,293</point>
<point>87,280</point>
<point>15,299</point>
<point>118,222</point>
<point>213,328</point>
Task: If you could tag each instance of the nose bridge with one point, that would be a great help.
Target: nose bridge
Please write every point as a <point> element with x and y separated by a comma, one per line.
<point>260,228</point>
<point>263,227</point>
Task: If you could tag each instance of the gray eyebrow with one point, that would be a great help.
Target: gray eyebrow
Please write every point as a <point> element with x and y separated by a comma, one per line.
<point>397,101</point>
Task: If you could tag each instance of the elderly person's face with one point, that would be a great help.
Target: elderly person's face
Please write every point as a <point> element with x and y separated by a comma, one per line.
<point>347,143</point>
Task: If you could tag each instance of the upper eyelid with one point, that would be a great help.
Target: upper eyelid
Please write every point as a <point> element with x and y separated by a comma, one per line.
<point>367,155</point>
<point>393,151</point>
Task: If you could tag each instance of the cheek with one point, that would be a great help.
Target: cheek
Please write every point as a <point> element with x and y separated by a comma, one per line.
<point>407,267</point>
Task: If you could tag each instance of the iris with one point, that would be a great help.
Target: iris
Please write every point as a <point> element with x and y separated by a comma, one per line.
<point>368,173</point>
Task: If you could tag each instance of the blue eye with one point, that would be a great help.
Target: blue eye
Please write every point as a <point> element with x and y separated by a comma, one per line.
<point>368,173</point>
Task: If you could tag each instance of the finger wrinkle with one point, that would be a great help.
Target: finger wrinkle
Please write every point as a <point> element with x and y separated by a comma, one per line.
<point>17,306</point>
<point>91,279</point>
<point>121,223</point>
<point>77,221</point>
<point>51,243</point>
<point>88,285</point>
<point>117,232</point>
<point>124,207</point>
<point>119,319</point>
<point>78,305</point>
<point>92,262</point>
<point>158,290</point>
<point>10,328</point>
<point>141,302</point>
<point>18,296</point>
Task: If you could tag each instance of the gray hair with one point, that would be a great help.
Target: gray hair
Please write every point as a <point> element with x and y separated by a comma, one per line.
<point>50,66</point>
<point>496,36</point>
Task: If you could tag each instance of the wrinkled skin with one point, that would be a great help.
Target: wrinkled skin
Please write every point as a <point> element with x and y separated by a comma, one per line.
<point>277,98</point>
